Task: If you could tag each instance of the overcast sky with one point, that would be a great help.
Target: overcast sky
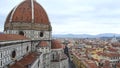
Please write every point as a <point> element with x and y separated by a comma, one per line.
<point>75,16</point>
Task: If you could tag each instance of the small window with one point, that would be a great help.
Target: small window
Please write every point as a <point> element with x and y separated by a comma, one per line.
<point>39,63</point>
<point>41,34</point>
<point>0,55</point>
<point>0,63</point>
<point>53,57</point>
<point>27,48</point>
<point>21,33</point>
<point>13,54</point>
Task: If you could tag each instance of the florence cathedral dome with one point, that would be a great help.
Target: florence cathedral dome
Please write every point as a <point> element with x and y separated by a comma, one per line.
<point>28,15</point>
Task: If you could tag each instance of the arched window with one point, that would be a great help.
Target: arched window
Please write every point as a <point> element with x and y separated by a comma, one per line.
<point>21,33</point>
<point>13,54</point>
<point>41,34</point>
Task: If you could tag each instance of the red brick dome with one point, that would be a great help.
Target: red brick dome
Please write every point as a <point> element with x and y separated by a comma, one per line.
<point>43,44</point>
<point>55,44</point>
<point>29,11</point>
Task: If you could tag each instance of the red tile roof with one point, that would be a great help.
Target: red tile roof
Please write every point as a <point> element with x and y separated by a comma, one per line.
<point>90,64</point>
<point>43,44</point>
<point>55,44</point>
<point>27,60</point>
<point>112,49</point>
<point>23,13</point>
<point>107,64</point>
<point>117,44</point>
<point>110,55</point>
<point>118,65</point>
<point>11,37</point>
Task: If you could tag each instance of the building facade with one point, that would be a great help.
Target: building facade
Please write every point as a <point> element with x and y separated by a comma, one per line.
<point>58,58</point>
<point>26,42</point>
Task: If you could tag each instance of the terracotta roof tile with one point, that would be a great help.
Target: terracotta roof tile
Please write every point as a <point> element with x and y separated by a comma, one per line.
<point>110,55</point>
<point>23,13</point>
<point>43,44</point>
<point>11,37</point>
<point>118,65</point>
<point>56,44</point>
<point>107,64</point>
<point>27,60</point>
<point>90,64</point>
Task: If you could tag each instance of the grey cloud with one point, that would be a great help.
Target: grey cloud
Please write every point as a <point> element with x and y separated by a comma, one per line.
<point>94,13</point>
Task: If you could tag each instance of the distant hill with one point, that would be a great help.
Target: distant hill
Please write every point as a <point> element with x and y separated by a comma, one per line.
<point>1,32</point>
<point>85,35</point>
<point>108,35</point>
<point>72,35</point>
